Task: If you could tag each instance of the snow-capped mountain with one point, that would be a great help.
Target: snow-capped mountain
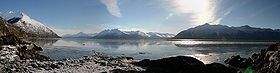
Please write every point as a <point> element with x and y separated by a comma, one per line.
<point>208,31</point>
<point>136,33</point>
<point>160,35</point>
<point>112,34</point>
<point>26,24</point>
<point>118,34</point>
<point>79,35</point>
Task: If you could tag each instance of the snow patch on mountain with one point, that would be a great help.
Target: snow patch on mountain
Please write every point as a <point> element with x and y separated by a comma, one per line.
<point>139,33</point>
<point>160,35</point>
<point>79,35</point>
<point>116,33</point>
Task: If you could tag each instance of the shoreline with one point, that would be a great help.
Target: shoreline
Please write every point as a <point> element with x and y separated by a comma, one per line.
<point>11,62</point>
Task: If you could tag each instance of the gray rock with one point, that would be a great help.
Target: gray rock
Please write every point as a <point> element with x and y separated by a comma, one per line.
<point>34,65</point>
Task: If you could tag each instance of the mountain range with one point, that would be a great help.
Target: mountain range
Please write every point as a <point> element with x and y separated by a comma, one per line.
<point>31,27</point>
<point>118,34</point>
<point>79,35</point>
<point>246,32</point>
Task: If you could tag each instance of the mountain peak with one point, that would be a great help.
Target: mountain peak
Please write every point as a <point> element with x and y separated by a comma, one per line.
<point>115,30</point>
<point>81,33</point>
<point>11,14</point>
<point>206,24</point>
<point>210,26</point>
<point>23,15</point>
<point>246,26</point>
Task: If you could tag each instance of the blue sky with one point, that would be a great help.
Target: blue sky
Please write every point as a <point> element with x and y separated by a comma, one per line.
<point>172,16</point>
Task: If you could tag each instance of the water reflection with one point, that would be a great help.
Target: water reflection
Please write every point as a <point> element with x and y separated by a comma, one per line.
<point>218,51</point>
<point>43,42</point>
<point>207,51</point>
<point>224,48</point>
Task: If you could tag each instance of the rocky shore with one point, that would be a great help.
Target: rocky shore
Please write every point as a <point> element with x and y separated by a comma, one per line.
<point>267,61</point>
<point>24,59</point>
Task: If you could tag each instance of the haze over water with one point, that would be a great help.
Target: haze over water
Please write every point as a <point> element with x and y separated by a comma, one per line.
<point>208,51</point>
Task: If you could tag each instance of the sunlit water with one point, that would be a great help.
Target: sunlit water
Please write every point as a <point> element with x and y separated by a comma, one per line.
<point>208,51</point>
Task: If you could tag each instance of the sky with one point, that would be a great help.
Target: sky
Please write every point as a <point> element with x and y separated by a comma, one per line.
<point>170,16</point>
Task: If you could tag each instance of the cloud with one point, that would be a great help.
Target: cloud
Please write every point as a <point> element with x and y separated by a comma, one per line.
<point>223,12</point>
<point>125,27</point>
<point>11,12</point>
<point>170,15</point>
<point>112,7</point>
<point>227,12</point>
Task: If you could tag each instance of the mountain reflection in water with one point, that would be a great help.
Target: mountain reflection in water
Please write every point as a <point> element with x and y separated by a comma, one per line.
<point>207,51</point>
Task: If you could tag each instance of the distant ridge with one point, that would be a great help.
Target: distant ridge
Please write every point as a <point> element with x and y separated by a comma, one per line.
<point>246,32</point>
<point>118,34</point>
<point>79,35</point>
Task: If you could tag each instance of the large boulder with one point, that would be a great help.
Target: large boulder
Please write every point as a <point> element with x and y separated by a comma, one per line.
<point>181,64</point>
<point>237,61</point>
<point>218,68</point>
<point>11,40</point>
<point>30,52</point>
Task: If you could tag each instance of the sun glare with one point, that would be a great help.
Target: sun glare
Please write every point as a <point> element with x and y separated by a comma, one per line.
<point>201,10</point>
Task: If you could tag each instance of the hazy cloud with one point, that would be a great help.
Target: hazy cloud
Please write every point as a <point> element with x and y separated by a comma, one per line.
<point>112,7</point>
<point>221,12</point>
<point>170,15</point>
<point>87,28</point>
<point>201,11</point>
<point>61,32</point>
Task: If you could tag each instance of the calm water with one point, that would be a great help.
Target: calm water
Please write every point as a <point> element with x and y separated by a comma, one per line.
<point>207,51</point>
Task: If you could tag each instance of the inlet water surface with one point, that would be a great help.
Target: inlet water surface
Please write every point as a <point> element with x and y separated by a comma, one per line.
<point>208,51</point>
